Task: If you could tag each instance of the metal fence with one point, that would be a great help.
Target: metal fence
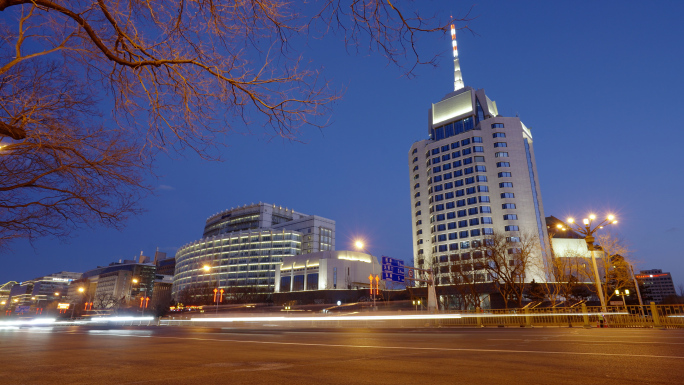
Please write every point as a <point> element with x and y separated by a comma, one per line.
<point>650,316</point>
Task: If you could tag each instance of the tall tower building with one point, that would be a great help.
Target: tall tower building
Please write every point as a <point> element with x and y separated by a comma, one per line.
<point>474,176</point>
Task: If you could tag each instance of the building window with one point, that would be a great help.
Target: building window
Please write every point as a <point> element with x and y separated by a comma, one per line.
<point>480,168</point>
<point>441,227</point>
<point>450,205</point>
<point>460,202</point>
<point>441,238</point>
<point>472,201</point>
<point>435,160</point>
<point>436,169</point>
<point>439,208</point>
<point>442,248</point>
<point>466,151</point>
<point>448,185</point>
<point>479,159</point>
<point>507,195</point>
<point>479,149</point>
<point>459,183</point>
<point>415,159</point>
<point>508,206</point>
<point>462,213</point>
<point>499,135</point>
<point>482,189</point>
<point>438,188</point>
<point>419,222</point>
<point>418,213</point>
<point>463,223</point>
<point>414,151</point>
<point>447,176</point>
<point>451,225</point>
<point>475,233</point>
<point>415,177</point>
<point>452,236</point>
<point>504,175</point>
<point>474,221</point>
<point>485,209</point>
<point>415,186</point>
<point>501,155</point>
<point>503,164</point>
<point>468,160</point>
<point>481,178</point>
<point>500,144</point>
<point>488,231</point>
<point>470,180</point>
<point>455,154</point>
<point>463,234</point>
<point>468,170</point>
<point>487,220</point>
<point>446,157</point>
<point>416,195</point>
<point>445,148</point>
<point>511,228</point>
<point>436,178</point>
<point>505,184</point>
<point>454,145</point>
<point>449,195</point>
<point>497,125</point>
<point>470,190</point>
<point>435,151</point>
<point>439,197</point>
<point>417,204</point>
<point>415,168</point>
<point>472,211</point>
<point>477,139</point>
<point>484,199</point>
<point>510,217</point>
<point>456,163</point>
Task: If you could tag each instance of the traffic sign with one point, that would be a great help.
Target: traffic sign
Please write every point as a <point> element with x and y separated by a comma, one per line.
<point>393,269</point>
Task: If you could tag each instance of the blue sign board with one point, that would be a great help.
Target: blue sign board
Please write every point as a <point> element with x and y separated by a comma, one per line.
<point>22,309</point>
<point>392,269</point>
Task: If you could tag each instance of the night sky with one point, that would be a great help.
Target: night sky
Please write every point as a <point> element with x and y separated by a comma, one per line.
<point>599,84</point>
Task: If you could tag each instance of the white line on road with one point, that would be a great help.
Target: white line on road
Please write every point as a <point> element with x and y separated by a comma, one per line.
<point>405,347</point>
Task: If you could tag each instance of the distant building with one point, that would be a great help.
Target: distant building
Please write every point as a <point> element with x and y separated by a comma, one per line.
<point>326,270</point>
<point>657,285</point>
<point>40,291</point>
<point>116,283</point>
<point>5,292</point>
<point>242,247</point>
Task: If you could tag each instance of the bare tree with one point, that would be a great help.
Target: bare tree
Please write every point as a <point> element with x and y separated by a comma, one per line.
<point>508,261</point>
<point>107,301</point>
<point>571,270</point>
<point>178,75</point>
<point>614,265</point>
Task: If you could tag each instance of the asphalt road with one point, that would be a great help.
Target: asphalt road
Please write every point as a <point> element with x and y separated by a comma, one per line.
<point>78,355</point>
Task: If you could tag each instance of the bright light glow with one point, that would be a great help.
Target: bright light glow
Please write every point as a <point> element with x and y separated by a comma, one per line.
<point>571,220</point>
<point>627,292</point>
<point>3,302</point>
<point>206,267</point>
<point>592,216</point>
<point>614,222</point>
<point>33,297</point>
<point>56,294</point>
<point>586,221</point>
<point>611,217</point>
<point>559,226</point>
<point>453,30</point>
<point>135,280</point>
<point>81,290</point>
<point>617,292</point>
<point>339,303</point>
<point>121,319</point>
<point>37,321</point>
<point>358,244</point>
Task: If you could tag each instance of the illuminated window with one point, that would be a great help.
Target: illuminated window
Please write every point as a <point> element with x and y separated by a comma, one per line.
<point>485,209</point>
<point>501,155</point>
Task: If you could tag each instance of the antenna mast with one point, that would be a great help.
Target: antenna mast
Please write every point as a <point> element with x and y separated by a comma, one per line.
<point>458,78</point>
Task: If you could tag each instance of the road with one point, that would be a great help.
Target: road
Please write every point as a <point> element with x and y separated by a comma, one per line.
<point>186,355</point>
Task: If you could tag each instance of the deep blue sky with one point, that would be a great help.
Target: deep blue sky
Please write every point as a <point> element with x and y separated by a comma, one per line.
<point>599,83</point>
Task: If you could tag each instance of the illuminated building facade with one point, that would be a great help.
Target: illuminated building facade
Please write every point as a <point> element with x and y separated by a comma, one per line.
<point>474,176</point>
<point>243,247</point>
<point>40,291</point>
<point>326,270</point>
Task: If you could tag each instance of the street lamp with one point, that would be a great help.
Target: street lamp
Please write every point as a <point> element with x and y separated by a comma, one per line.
<point>144,300</point>
<point>416,303</point>
<point>207,268</point>
<point>360,246</point>
<point>81,290</point>
<point>623,294</point>
<point>588,229</point>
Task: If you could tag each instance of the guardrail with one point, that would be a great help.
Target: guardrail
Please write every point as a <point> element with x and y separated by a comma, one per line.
<point>651,316</point>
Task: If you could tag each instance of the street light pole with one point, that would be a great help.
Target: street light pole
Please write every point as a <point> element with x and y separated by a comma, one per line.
<point>80,290</point>
<point>359,245</point>
<point>207,268</point>
<point>588,233</point>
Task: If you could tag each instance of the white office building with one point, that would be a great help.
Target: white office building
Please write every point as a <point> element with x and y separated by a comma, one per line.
<point>243,247</point>
<point>473,176</point>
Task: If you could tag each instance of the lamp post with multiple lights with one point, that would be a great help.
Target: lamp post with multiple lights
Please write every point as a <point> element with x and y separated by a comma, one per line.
<point>623,294</point>
<point>588,229</point>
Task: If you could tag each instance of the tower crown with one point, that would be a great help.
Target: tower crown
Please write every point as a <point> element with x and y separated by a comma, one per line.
<point>458,78</point>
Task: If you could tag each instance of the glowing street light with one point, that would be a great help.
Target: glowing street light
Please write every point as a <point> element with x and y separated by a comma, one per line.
<point>361,247</point>
<point>588,231</point>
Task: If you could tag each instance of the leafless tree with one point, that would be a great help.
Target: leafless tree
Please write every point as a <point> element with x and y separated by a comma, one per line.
<point>572,270</point>
<point>508,261</point>
<point>107,301</point>
<point>175,76</point>
<point>614,265</point>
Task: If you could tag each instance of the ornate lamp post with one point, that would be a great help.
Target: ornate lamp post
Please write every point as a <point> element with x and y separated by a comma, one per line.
<point>588,229</point>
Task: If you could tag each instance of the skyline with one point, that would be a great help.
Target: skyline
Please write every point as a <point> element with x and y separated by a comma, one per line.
<point>368,195</point>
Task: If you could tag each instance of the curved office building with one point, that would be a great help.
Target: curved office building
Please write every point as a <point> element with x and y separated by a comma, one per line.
<point>243,247</point>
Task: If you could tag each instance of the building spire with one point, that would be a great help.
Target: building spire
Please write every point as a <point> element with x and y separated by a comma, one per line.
<point>458,79</point>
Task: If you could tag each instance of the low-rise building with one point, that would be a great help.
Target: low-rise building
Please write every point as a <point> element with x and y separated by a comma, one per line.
<point>42,290</point>
<point>326,270</point>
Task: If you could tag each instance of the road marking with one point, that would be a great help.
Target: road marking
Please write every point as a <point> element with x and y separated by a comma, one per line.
<point>404,347</point>
<point>587,341</point>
